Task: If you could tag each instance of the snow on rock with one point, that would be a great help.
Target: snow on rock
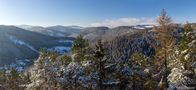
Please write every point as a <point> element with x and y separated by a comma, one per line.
<point>187,56</point>
<point>20,42</point>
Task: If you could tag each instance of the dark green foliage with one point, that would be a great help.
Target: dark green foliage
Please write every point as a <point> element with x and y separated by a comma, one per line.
<point>100,51</point>
<point>99,54</point>
<point>64,59</point>
<point>81,47</point>
<point>185,38</point>
<point>140,59</point>
<point>79,44</point>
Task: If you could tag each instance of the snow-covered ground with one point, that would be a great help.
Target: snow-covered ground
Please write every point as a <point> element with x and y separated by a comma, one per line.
<point>143,26</point>
<point>19,65</point>
<point>20,42</point>
<point>60,49</point>
<point>56,34</point>
<point>65,41</point>
<point>73,35</point>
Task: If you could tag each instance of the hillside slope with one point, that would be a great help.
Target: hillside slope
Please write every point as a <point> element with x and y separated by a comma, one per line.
<point>17,44</point>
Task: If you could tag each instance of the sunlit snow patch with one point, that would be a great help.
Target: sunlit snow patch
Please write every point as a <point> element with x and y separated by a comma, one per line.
<point>65,41</point>
<point>20,42</point>
<point>60,49</point>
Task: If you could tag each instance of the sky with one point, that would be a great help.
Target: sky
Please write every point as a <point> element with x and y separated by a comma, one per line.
<point>93,12</point>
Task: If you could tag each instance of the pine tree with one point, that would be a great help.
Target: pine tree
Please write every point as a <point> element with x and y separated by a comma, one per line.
<point>187,57</point>
<point>43,74</point>
<point>145,65</point>
<point>185,40</point>
<point>80,47</point>
<point>99,54</point>
<point>13,79</point>
<point>138,60</point>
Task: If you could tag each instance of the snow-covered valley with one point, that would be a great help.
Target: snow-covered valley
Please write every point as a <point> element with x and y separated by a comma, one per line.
<point>19,45</point>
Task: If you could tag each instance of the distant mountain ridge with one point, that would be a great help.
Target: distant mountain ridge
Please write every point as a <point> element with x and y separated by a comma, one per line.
<point>55,31</point>
<point>21,44</point>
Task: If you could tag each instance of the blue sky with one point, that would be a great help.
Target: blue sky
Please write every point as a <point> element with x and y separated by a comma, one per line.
<point>93,12</point>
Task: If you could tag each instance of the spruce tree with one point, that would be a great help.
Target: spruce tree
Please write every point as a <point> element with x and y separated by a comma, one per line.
<point>99,54</point>
<point>80,46</point>
<point>187,39</point>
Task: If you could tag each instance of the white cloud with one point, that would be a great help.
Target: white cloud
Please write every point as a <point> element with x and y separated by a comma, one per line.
<point>124,22</point>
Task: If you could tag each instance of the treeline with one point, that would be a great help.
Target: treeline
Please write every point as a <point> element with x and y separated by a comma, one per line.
<point>169,63</point>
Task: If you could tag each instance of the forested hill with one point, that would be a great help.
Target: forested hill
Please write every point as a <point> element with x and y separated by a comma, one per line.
<point>162,58</point>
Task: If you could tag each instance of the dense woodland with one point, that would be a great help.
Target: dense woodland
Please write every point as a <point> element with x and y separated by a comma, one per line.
<point>158,59</point>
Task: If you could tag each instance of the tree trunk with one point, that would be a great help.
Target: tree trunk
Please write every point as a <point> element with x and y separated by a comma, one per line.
<point>166,74</point>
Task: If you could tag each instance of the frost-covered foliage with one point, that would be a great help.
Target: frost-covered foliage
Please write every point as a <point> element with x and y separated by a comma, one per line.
<point>179,77</point>
<point>173,59</point>
<point>94,72</point>
<point>11,79</point>
<point>41,73</point>
<point>75,76</point>
<point>182,62</point>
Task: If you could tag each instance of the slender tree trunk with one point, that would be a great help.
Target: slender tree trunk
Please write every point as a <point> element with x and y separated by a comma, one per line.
<point>166,74</point>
